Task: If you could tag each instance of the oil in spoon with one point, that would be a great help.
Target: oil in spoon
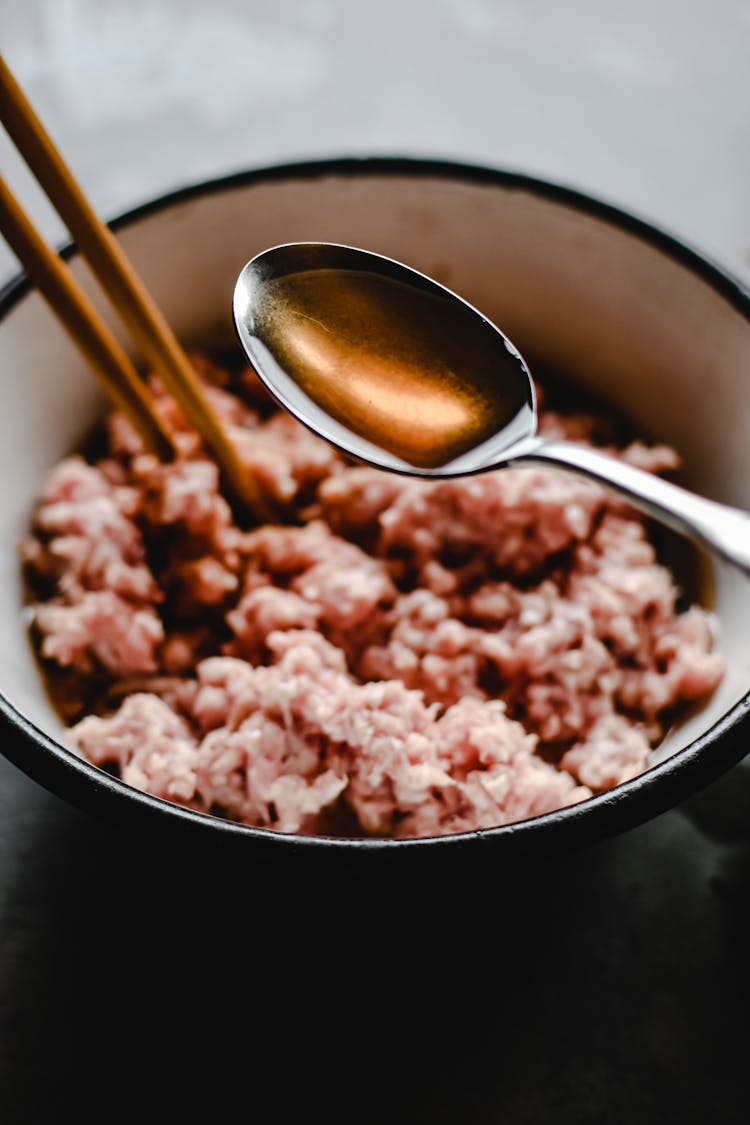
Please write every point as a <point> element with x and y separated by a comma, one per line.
<point>399,363</point>
<point>398,371</point>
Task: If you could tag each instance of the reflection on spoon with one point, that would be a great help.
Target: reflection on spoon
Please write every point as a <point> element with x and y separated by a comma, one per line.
<point>396,364</point>
<point>401,373</point>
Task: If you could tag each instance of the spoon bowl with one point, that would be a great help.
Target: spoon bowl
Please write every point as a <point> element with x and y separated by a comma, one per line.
<point>390,366</point>
<point>403,374</point>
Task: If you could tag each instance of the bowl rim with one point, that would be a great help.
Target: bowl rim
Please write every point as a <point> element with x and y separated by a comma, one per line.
<point>58,769</point>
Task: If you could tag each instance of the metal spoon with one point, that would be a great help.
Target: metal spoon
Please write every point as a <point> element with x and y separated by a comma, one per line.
<point>401,373</point>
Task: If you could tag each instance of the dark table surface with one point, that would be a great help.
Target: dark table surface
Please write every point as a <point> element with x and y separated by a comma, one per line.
<point>138,982</point>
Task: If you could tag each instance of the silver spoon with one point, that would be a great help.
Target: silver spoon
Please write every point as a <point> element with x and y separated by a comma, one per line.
<point>401,373</point>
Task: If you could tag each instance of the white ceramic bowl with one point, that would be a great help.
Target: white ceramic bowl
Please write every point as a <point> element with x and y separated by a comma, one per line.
<point>621,308</point>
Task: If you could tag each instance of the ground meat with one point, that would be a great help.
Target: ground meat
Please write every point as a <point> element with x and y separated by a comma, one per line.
<point>392,657</point>
<point>100,629</point>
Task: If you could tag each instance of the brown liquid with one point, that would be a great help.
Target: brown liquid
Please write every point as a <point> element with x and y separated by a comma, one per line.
<point>416,373</point>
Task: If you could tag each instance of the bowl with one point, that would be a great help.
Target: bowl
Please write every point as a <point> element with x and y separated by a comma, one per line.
<point>621,308</point>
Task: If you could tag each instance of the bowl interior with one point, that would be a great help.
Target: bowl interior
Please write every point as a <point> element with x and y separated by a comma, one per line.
<point>599,302</point>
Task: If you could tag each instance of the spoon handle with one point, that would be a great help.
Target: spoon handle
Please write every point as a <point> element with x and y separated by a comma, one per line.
<point>724,529</point>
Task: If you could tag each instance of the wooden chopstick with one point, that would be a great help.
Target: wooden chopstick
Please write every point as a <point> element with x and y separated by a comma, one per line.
<point>120,280</point>
<point>58,286</point>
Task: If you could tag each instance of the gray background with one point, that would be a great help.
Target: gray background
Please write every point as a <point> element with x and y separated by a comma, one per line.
<point>142,982</point>
<point>644,104</point>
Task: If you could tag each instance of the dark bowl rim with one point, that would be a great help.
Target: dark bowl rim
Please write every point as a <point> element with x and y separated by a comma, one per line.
<point>645,796</point>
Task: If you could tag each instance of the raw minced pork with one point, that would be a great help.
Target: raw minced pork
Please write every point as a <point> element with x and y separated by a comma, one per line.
<point>389,656</point>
